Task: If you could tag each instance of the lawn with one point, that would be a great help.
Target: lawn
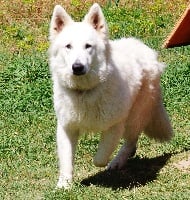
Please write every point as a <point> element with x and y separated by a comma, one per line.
<point>28,160</point>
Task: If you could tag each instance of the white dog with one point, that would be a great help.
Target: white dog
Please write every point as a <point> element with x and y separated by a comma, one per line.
<point>110,87</point>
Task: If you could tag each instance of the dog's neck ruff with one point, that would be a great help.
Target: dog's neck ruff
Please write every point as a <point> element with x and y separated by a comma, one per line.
<point>82,91</point>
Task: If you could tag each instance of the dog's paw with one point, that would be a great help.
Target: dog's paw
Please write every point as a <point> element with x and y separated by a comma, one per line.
<point>120,161</point>
<point>64,183</point>
<point>117,164</point>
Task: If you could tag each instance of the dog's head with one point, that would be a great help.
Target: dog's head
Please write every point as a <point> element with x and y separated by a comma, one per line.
<point>78,51</point>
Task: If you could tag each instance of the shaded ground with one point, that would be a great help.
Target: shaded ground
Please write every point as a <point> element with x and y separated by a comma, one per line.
<point>138,172</point>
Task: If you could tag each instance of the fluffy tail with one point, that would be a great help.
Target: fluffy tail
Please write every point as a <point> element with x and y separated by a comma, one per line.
<point>159,126</point>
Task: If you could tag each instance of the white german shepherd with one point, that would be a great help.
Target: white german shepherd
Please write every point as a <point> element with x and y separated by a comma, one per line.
<point>110,87</point>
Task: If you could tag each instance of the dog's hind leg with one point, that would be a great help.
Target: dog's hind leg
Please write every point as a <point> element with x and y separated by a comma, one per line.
<point>126,151</point>
<point>108,142</point>
<point>135,124</point>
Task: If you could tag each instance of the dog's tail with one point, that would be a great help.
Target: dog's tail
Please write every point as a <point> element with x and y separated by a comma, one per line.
<point>159,126</point>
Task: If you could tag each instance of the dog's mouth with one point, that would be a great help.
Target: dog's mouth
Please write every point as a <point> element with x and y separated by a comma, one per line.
<point>79,73</point>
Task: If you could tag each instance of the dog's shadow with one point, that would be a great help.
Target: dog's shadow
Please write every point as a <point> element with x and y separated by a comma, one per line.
<point>138,172</point>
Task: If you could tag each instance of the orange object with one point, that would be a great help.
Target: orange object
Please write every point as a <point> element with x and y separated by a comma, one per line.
<point>180,36</point>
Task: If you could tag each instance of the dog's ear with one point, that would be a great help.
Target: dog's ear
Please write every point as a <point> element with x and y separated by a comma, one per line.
<point>59,20</point>
<point>95,17</point>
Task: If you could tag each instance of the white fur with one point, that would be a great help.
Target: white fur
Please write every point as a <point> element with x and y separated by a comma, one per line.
<point>119,95</point>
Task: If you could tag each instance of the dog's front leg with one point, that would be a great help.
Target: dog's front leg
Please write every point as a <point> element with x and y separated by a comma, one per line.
<point>66,144</point>
<point>108,142</point>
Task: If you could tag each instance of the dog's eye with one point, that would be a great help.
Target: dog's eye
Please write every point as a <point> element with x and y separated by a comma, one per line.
<point>88,46</point>
<point>68,46</point>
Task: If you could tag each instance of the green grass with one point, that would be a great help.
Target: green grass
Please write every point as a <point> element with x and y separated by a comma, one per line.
<point>28,161</point>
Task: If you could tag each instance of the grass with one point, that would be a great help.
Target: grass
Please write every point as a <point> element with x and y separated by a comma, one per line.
<point>28,162</point>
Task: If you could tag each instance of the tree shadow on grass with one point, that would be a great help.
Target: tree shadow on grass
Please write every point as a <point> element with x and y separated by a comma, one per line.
<point>138,172</point>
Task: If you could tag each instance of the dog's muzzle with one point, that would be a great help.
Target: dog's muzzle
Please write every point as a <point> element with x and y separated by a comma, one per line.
<point>78,69</point>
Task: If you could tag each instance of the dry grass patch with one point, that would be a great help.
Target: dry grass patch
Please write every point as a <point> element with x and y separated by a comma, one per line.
<point>24,24</point>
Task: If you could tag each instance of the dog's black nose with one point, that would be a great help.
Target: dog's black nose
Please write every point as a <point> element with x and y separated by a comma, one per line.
<point>78,69</point>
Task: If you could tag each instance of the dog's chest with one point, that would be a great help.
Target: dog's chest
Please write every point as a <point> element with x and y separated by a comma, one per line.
<point>88,112</point>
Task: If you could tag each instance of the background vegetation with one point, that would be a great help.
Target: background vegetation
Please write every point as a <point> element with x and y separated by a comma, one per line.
<point>28,163</point>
